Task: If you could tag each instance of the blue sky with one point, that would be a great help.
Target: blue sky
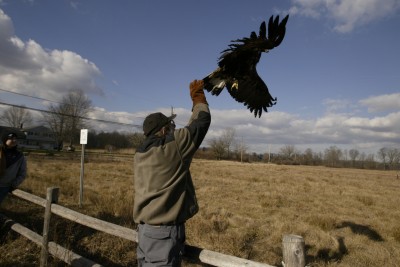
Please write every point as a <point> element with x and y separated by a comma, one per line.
<point>336,74</point>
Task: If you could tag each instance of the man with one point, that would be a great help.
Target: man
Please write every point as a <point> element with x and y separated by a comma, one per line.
<point>164,193</point>
<point>12,165</point>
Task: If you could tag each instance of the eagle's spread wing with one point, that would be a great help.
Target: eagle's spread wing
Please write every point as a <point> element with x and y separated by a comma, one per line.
<point>237,67</point>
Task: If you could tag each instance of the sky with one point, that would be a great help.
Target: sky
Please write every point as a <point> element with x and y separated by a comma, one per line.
<point>336,74</point>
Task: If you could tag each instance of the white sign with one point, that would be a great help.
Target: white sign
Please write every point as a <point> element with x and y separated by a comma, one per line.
<point>84,134</point>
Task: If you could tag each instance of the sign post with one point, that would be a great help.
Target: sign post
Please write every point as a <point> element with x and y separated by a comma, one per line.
<point>84,135</point>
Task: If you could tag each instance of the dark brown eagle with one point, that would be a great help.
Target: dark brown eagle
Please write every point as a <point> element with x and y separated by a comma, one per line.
<point>237,67</point>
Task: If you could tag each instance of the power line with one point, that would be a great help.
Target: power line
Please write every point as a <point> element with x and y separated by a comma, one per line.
<point>69,115</point>
<point>53,101</point>
<point>4,90</point>
<point>48,100</point>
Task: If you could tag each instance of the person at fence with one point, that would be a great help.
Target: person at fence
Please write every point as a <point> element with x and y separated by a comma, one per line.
<point>164,192</point>
<point>12,165</point>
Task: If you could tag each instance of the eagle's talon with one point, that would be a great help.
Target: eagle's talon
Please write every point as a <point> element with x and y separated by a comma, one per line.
<point>235,85</point>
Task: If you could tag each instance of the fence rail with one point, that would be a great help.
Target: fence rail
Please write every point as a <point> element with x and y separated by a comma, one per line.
<point>56,250</point>
<point>293,246</point>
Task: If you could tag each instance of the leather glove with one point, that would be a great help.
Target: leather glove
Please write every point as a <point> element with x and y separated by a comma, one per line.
<point>197,92</point>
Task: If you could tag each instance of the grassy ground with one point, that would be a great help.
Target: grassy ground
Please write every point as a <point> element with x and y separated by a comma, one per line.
<point>347,217</point>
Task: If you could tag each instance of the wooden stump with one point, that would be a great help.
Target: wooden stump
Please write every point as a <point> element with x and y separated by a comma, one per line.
<point>293,251</point>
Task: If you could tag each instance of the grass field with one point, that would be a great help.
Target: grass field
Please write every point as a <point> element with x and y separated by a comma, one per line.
<point>347,217</point>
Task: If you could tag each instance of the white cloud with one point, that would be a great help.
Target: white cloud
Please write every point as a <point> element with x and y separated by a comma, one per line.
<point>338,105</point>
<point>307,8</point>
<point>74,4</point>
<point>275,129</point>
<point>382,103</point>
<point>346,14</point>
<point>278,129</point>
<point>26,67</point>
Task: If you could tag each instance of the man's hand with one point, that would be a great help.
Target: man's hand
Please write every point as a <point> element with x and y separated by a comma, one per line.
<point>197,92</point>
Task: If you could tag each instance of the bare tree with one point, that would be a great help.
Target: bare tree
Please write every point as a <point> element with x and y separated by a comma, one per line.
<point>370,161</point>
<point>332,156</point>
<point>353,153</point>
<point>228,138</point>
<point>66,118</point>
<point>288,151</point>
<point>240,148</point>
<point>362,158</point>
<point>222,145</point>
<point>16,117</point>
<point>382,155</point>
<point>308,157</point>
<point>218,148</point>
<point>393,157</point>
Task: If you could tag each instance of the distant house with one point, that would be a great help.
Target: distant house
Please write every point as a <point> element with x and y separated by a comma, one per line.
<point>39,137</point>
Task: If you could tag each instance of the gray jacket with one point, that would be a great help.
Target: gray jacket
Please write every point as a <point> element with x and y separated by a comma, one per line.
<point>15,174</point>
<point>164,191</point>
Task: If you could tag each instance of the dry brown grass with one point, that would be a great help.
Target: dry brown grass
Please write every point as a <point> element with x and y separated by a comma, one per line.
<point>347,217</point>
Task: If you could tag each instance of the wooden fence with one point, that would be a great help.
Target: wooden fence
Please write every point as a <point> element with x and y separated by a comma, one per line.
<point>293,245</point>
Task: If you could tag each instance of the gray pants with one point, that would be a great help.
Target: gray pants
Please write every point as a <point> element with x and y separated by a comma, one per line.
<point>160,245</point>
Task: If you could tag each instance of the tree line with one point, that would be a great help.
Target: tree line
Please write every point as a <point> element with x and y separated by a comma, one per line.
<point>228,147</point>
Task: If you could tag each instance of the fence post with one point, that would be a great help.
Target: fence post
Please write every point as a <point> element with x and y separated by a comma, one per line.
<point>51,197</point>
<point>293,251</point>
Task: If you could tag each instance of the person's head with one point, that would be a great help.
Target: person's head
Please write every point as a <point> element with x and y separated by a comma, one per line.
<point>9,140</point>
<point>158,123</point>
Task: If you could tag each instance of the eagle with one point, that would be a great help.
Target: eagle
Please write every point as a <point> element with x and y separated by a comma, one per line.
<point>237,67</point>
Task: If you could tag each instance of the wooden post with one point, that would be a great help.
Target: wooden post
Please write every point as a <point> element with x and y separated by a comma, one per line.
<point>293,251</point>
<point>52,197</point>
<point>82,175</point>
